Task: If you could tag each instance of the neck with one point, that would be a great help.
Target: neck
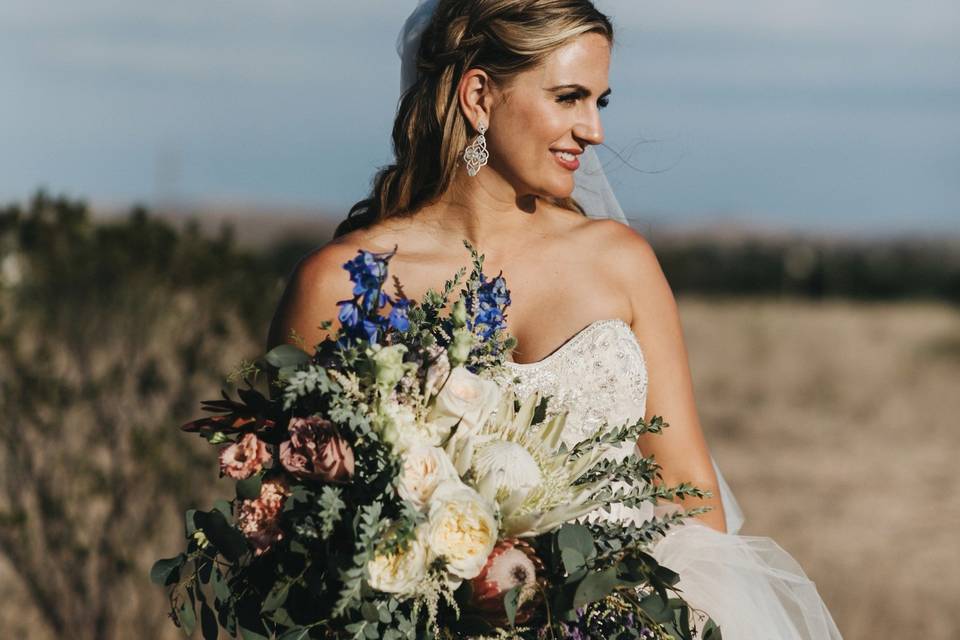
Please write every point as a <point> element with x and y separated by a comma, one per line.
<point>484,209</point>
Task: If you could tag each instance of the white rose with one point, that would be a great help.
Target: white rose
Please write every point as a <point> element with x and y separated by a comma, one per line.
<point>400,572</point>
<point>461,528</point>
<point>424,468</point>
<point>398,425</point>
<point>465,396</point>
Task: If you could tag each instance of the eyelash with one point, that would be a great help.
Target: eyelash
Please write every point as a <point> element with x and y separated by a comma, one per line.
<point>570,98</point>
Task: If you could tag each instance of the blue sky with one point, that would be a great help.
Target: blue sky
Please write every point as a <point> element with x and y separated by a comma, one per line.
<point>815,115</point>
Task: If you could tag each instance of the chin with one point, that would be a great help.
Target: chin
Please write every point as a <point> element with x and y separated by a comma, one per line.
<point>559,191</point>
<point>559,187</point>
<point>556,186</point>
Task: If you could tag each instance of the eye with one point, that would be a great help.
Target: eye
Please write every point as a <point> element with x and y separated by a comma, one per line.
<point>571,98</point>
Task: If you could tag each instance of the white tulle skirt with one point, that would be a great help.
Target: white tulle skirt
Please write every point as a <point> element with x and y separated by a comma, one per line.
<point>750,586</point>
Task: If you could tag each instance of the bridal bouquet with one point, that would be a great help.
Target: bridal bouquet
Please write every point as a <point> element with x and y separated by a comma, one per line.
<point>391,487</point>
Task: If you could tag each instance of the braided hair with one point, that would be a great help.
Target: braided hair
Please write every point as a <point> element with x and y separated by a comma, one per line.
<point>501,37</point>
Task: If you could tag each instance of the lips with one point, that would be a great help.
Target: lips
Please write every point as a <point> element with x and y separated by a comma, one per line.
<point>567,159</point>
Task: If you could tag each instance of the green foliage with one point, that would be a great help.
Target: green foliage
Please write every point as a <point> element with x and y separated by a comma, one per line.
<point>874,269</point>
<point>302,383</point>
<point>322,511</point>
<point>369,527</point>
<point>627,432</point>
<point>115,329</point>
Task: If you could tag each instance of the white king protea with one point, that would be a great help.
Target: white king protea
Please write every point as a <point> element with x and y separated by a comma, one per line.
<point>525,468</point>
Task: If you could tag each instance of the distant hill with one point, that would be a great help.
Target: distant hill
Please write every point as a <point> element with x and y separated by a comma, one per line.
<point>253,227</point>
<point>717,259</point>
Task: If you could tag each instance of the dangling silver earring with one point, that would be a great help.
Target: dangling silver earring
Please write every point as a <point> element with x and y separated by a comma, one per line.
<point>476,154</point>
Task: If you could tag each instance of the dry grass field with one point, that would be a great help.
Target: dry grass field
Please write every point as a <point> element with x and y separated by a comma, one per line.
<point>838,427</point>
<point>836,424</point>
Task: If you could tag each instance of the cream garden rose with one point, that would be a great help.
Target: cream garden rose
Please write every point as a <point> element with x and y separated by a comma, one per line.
<point>466,397</point>
<point>424,469</point>
<point>461,528</point>
<point>400,572</point>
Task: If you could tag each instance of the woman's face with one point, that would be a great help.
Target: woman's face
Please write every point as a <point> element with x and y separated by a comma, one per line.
<point>545,117</point>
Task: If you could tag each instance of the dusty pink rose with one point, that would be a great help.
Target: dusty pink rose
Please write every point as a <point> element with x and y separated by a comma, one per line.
<point>512,563</point>
<point>316,451</point>
<point>259,520</point>
<point>244,458</point>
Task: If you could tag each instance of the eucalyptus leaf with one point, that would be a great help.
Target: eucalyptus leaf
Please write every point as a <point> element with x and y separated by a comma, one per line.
<point>596,585</point>
<point>576,536</point>
<point>298,633</point>
<point>668,576</point>
<point>286,355</point>
<point>220,588</point>
<point>682,615</point>
<point>249,634</point>
<point>277,597</point>
<point>186,616</point>
<point>511,599</point>
<point>573,560</point>
<point>227,618</point>
<point>657,608</point>
<point>223,506</point>
<point>711,631</point>
<point>249,489</point>
<point>230,542</point>
<point>369,612</point>
<point>208,622</point>
<point>204,570</point>
<point>167,571</point>
<point>188,525</point>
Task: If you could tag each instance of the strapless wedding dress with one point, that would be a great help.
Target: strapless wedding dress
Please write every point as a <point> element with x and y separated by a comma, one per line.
<point>749,585</point>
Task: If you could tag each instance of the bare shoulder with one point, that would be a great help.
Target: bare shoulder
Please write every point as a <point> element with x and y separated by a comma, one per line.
<point>628,257</point>
<point>626,247</point>
<point>619,249</point>
<point>315,286</point>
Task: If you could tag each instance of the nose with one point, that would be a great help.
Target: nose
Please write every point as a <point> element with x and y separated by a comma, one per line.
<point>589,129</point>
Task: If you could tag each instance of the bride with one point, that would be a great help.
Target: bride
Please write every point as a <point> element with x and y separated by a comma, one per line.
<point>493,136</point>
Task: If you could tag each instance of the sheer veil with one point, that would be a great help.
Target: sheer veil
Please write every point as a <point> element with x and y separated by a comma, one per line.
<point>592,191</point>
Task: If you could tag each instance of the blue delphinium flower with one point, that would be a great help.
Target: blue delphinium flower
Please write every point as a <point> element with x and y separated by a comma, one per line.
<point>398,315</point>
<point>492,298</point>
<point>349,314</point>
<point>360,315</point>
<point>371,330</point>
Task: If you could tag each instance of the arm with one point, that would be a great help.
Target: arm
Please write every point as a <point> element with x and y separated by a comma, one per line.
<point>681,449</point>
<point>316,284</point>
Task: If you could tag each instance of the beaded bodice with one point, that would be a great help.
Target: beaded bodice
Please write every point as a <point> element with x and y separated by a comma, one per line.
<point>598,376</point>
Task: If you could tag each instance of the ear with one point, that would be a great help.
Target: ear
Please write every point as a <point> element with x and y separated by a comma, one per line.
<point>474,94</point>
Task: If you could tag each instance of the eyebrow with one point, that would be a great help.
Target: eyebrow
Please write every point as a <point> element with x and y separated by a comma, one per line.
<point>580,88</point>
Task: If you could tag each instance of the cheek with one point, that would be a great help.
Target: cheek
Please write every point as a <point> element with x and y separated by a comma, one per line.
<point>526,135</point>
<point>540,124</point>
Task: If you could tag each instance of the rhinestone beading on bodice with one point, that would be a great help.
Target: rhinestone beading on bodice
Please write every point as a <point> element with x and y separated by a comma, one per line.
<point>598,376</point>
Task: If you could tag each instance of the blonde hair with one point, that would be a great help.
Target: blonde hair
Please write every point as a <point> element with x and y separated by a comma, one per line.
<point>501,37</point>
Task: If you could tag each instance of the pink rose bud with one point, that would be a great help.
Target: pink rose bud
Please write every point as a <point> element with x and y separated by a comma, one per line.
<point>316,451</point>
<point>244,458</point>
